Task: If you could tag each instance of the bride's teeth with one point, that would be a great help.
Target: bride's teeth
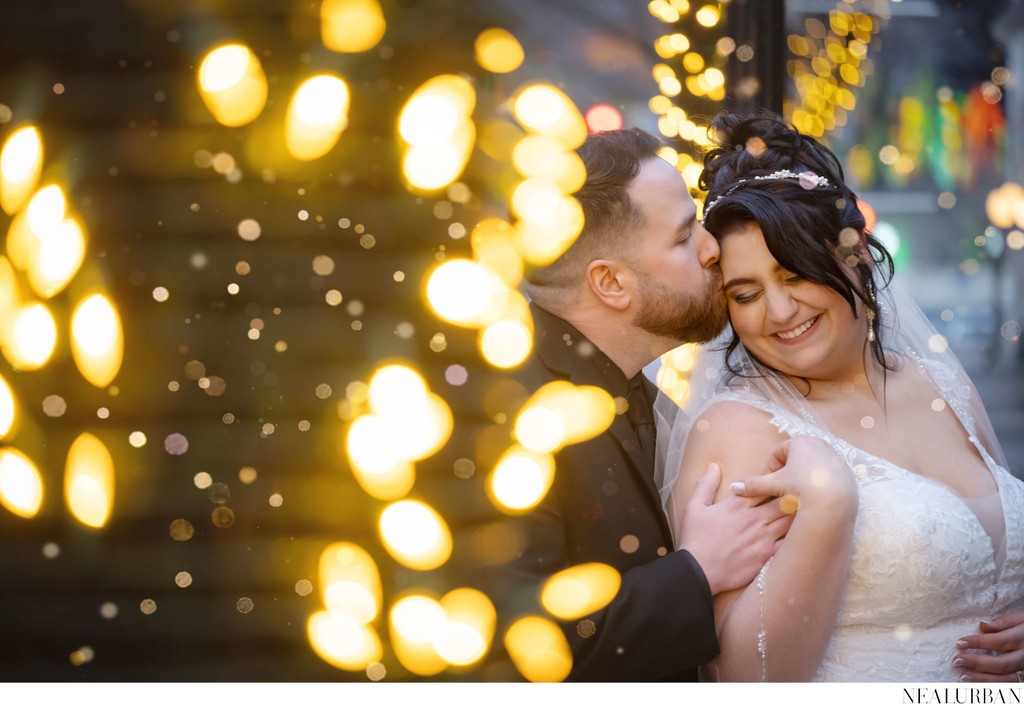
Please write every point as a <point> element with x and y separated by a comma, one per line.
<point>798,331</point>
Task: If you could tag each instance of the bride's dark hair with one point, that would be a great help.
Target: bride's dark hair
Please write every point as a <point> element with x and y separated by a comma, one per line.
<point>817,232</point>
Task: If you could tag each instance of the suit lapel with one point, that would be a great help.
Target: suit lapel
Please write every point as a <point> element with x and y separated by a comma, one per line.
<point>575,358</point>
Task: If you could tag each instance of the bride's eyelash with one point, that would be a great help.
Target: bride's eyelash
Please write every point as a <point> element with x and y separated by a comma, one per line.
<point>744,298</point>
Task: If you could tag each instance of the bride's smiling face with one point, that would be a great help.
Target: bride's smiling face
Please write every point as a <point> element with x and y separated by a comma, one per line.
<point>791,324</point>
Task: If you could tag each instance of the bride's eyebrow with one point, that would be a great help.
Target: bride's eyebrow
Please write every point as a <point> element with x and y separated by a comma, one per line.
<point>739,281</point>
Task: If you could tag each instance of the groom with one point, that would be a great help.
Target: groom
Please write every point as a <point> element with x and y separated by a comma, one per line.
<point>640,280</point>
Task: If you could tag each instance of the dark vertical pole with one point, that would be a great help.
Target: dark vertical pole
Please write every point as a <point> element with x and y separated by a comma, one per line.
<point>1008,28</point>
<point>755,75</point>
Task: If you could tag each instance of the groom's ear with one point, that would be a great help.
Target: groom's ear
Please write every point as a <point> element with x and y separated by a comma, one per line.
<point>611,282</point>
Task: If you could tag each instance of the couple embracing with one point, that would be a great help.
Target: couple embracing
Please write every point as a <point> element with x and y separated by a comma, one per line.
<point>831,504</point>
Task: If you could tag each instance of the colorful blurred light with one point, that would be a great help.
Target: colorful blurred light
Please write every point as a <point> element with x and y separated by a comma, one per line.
<point>602,116</point>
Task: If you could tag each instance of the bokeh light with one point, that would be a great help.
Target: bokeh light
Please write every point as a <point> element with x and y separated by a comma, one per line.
<point>520,479</point>
<point>21,163</point>
<point>466,293</point>
<point>602,116</point>
<point>89,481</point>
<point>350,582</point>
<point>415,535</point>
<point>580,590</point>
<point>351,25</point>
<point>561,413</point>
<point>32,337</point>
<point>8,408</point>
<point>342,641</point>
<point>466,635</point>
<point>56,259</point>
<point>232,84</point>
<point>544,157</point>
<point>21,484</point>
<point>317,115</point>
<point>436,123</point>
<point>545,110</point>
<point>538,649</point>
<point>498,51</point>
<point>97,340</point>
<point>415,620</point>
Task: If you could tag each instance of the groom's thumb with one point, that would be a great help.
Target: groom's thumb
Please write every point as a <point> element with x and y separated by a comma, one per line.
<point>707,485</point>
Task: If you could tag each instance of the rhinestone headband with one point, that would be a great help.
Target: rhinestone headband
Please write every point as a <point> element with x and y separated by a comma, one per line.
<point>807,180</point>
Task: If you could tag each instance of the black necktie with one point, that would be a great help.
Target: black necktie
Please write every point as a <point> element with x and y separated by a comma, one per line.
<point>641,417</point>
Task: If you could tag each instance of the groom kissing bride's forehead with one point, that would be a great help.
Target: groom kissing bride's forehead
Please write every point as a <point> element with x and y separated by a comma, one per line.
<point>641,279</point>
<point>710,573</point>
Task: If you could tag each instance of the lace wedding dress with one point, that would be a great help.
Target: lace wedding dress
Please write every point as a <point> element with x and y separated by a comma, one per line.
<point>926,565</point>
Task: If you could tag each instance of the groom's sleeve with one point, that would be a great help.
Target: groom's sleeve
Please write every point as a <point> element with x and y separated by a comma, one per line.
<point>660,623</point>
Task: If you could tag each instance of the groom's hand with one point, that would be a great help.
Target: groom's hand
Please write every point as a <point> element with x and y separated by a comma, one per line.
<point>730,539</point>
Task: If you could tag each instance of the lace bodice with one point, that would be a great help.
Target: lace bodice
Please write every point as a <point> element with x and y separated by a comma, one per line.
<point>923,569</point>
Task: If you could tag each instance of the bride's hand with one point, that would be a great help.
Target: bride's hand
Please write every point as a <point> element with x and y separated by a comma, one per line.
<point>803,470</point>
<point>1003,641</point>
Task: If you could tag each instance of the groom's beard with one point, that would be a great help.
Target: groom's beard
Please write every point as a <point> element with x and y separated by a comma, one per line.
<point>691,318</point>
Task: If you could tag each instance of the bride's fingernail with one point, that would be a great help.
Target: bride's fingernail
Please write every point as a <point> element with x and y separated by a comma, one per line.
<point>958,662</point>
<point>738,487</point>
<point>962,644</point>
<point>967,678</point>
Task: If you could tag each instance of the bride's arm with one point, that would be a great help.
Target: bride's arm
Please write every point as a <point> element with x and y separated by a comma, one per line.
<point>804,582</point>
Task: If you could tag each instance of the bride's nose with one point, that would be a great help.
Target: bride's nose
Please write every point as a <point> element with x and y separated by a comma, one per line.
<point>780,304</point>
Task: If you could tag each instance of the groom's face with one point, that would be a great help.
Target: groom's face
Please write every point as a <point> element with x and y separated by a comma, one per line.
<point>680,283</point>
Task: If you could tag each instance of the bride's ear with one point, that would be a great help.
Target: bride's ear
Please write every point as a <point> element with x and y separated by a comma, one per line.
<point>611,282</point>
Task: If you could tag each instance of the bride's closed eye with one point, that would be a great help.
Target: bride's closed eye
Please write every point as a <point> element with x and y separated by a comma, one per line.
<point>743,298</point>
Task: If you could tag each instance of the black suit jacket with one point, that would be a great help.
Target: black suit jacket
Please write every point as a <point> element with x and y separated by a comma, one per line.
<point>603,507</point>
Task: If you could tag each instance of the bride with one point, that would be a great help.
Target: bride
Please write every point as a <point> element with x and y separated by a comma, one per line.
<point>822,344</point>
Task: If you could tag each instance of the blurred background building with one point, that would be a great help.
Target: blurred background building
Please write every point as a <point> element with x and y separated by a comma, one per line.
<point>258,287</point>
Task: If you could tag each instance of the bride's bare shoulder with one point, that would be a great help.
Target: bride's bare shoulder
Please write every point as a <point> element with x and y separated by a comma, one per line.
<point>729,418</point>
<point>738,437</point>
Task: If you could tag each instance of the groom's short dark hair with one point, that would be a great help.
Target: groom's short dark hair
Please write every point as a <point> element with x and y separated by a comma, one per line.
<point>613,159</point>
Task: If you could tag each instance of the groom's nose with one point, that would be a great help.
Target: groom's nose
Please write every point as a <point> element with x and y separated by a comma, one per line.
<point>707,248</point>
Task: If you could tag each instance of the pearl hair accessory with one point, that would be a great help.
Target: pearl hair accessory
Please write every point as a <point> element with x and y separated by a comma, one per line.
<point>807,180</point>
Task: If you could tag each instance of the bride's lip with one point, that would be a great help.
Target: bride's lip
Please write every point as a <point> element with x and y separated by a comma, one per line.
<point>809,327</point>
